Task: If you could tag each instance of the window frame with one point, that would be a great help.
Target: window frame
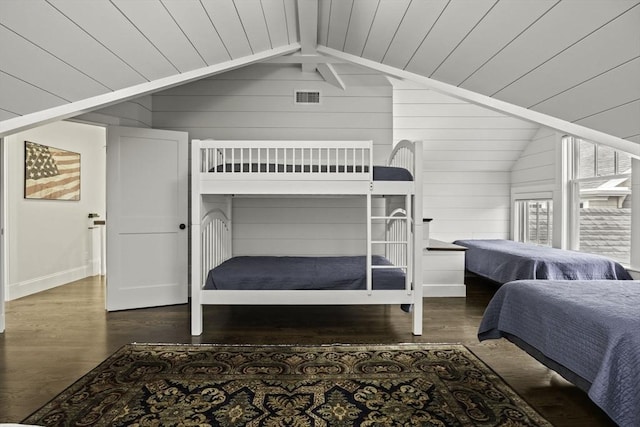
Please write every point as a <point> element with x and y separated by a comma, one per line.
<point>574,183</point>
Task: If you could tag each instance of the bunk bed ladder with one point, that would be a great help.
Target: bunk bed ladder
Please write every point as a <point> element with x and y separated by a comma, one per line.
<point>397,241</point>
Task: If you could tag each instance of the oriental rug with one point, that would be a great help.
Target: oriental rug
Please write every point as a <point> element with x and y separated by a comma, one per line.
<point>281,385</point>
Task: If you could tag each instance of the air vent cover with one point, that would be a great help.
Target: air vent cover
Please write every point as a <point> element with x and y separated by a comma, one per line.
<point>307,97</point>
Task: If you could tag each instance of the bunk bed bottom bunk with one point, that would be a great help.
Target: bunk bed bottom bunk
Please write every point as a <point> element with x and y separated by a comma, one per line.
<point>503,261</point>
<point>588,331</point>
<point>301,273</point>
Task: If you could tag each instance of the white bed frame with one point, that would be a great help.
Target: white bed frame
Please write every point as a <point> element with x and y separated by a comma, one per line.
<point>334,168</point>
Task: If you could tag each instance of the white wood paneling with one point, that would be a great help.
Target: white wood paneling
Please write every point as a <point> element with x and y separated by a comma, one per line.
<point>254,24</point>
<point>553,33</point>
<point>538,54</point>
<point>273,103</point>
<point>134,113</point>
<point>358,32</point>
<point>340,15</point>
<point>60,79</point>
<point>277,25</point>
<point>537,164</point>
<point>106,24</point>
<point>264,120</point>
<point>613,89</point>
<point>257,102</point>
<point>622,120</point>
<point>290,10</point>
<point>37,21</point>
<point>25,96</point>
<point>500,27</point>
<point>156,24</point>
<point>415,26</point>
<point>225,19</point>
<point>194,21</point>
<point>468,154</point>
<point>451,28</point>
<point>389,15</point>
<point>577,64</point>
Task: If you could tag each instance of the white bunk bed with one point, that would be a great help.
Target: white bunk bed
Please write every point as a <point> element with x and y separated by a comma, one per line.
<point>224,169</point>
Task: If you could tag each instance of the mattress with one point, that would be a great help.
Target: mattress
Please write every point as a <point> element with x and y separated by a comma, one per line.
<point>380,173</point>
<point>590,329</point>
<point>506,260</point>
<point>302,273</point>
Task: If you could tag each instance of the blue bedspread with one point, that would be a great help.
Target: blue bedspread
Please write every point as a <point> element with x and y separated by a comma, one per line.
<point>302,273</point>
<point>592,328</point>
<point>380,173</point>
<point>505,260</point>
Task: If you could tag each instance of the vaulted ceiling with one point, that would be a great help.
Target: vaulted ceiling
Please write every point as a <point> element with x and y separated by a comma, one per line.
<point>575,60</point>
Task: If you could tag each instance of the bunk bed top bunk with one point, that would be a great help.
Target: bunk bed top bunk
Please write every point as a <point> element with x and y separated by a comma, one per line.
<point>222,169</point>
<point>300,167</point>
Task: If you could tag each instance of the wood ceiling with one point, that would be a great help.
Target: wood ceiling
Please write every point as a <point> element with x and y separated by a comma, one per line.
<point>577,60</point>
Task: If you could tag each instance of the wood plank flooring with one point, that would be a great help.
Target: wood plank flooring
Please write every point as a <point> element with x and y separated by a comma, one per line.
<point>54,337</point>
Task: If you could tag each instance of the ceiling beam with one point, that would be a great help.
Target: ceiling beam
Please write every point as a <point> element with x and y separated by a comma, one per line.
<point>308,29</point>
<point>573,129</point>
<point>18,124</point>
<point>330,75</point>
<point>298,58</point>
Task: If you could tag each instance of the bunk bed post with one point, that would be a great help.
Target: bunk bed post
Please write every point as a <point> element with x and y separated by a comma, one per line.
<point>418,244</point>
<point>369,270</point>
<point>196,203</point>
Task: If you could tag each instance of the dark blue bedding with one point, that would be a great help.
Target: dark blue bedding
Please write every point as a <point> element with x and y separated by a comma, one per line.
<point>380,173</point>
<point>303,273</point>
<point>505,260</point>
<point>589,328</point>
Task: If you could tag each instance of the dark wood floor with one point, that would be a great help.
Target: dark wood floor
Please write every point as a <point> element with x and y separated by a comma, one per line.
<point>55,337</point>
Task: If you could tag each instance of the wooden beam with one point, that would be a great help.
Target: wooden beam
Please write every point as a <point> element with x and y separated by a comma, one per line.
<point>305,59</point>
<point>18,124</point>
<point>329,74</point>
<point>308,29</point>
<point>573,129</point>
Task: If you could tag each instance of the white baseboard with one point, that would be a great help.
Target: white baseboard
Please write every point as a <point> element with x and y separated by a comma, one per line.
<point>445,290</point>
<point>39,284</point>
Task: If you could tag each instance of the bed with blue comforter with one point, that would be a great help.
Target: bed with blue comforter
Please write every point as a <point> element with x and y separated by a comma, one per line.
<point>303,273</point>
<point>587,331</point>
<point>505,260</point>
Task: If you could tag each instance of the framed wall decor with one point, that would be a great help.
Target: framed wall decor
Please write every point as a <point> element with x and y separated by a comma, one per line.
<point>50,173</point>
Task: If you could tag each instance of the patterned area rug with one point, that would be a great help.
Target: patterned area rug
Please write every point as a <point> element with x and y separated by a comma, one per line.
<point>338,385</point>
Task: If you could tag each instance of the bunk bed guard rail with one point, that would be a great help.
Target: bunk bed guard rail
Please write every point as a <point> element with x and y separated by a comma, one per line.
<point>343,160</point>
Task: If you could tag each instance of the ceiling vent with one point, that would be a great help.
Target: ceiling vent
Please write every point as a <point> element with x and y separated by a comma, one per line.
<point>307,97</point>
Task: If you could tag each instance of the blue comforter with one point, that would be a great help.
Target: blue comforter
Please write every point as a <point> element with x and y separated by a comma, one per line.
<point>302,273</point>
<point>505,260</point>
<point>591,328</point>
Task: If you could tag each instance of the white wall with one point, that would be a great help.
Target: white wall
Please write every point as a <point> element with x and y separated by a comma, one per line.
<point>49,242</point>
<point>536,166</point>
<point>134,113</point>
<point>256,102</point>
<point>468,155</point>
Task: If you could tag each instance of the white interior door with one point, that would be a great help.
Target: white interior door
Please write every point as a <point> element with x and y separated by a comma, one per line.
<point>147,178</point>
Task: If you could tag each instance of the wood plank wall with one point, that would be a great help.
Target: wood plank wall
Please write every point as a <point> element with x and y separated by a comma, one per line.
<point>468,155</point>
<point>256,102</point>
<point>536,166</point>
<point>134,113</point>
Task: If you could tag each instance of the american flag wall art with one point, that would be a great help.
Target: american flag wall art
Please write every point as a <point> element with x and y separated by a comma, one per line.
<point>50,173</point>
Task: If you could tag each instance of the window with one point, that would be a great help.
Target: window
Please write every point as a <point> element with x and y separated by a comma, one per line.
<point>602,182</point>
<point>534,221</point>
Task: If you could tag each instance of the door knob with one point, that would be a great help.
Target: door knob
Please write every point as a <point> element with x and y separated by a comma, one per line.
<point>182,226</point>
